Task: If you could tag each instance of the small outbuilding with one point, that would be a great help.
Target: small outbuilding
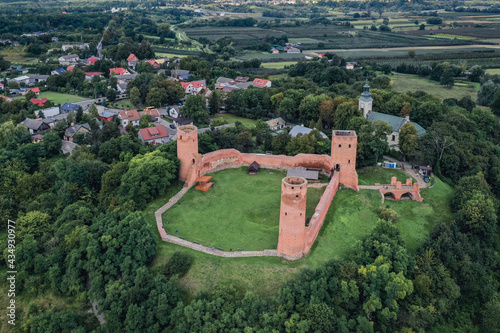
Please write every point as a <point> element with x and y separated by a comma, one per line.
<point>253,169</point>
<point>425,170</point>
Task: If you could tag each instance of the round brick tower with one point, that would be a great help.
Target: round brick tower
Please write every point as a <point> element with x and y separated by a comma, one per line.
<point>187,149</point>
<point>292,215</point>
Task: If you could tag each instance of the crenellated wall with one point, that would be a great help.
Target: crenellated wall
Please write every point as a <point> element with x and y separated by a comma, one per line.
<point>398,189</point>
<point>295,238</point>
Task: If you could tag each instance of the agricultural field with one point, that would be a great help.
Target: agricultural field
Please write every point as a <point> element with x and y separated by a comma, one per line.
<point>278,65</point>
<point>347,221</point>
<point>241,211</point>
<point>493,71</point>
<point>231,119</point>
<point>404,83</point>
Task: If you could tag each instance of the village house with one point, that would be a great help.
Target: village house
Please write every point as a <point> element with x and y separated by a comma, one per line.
<point>299,129</point>
<point>173,111</point>
<point>182,121</point>
<point>67,107</point>
<point>155,115</point>
<point>37,138</point>
<point>118,71</point>
<point>153,63</point>
<point>350,65</point>
<point>22,80</point>
<point>39,102</point>
<point>91,61</point>
<point>67,47</point>
<point>71,131</point>
<point>69,60</point>
<point>36,126</point>
<point>37,78</point>
<point>58,71</point>
<point>49,112</point>
<point>106,116</point>
<point>276,124</point>
<point>90,75</point>
<point>293,50</point>
<point>125,78</point>
<point>262,83</point>
<point>193,88</point>
<point>17,69</point>
<point>129,117</point>
<point>154,135</point>
<point>35,90</point>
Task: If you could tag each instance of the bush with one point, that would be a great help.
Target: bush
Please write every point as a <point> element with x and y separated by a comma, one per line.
<point>387,214</point>
<point>178,264</point>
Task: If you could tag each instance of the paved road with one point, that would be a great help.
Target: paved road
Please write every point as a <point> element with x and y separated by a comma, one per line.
<point>409,169</point>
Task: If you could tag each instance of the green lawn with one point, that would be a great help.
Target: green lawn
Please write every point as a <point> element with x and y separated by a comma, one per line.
<point>123,104</point>
<point>278,65</point>
<point>351,216</point>
<point>405,83</point>
<point>59,98</point>
<point>230,119</point>
<point>493,71</point>
<point>240,211</point>
<point>372,175</point>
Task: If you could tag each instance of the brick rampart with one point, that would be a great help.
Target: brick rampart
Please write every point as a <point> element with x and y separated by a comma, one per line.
<point>398,189</point>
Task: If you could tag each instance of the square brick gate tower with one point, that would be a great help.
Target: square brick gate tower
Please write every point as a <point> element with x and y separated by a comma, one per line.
<point>344,147</point>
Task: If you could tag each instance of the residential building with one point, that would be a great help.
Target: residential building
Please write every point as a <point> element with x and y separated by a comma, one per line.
<point>49,112</point>
<point>153,63</point>
<point>125,78</point>
<point>36,78</point>
<point>155,115</point>
<point>132,57</point>
<point>58,71</point>
<point>194,87</point>
<point>35,90</point>
<point>71,131</point>
<point>293,50</point>
<point>22,79</point>
<point>17,69</point>
<point>39,102</point>
<point>129,116</point>
<point>91,61</point>
<point>296,130</point>
<point>262,83</point>
<point>106,116</point>
<point>67,107</point>
<point>182,121</point>
<point>276,124</point>
<point>90,75</point>
<point>173,111</point>
<point>37,138</point>
<point>118,71</point>
<point>350,65</point>
<point>69,60</point>
<point>154,135</point>
<point>36,126</point>
<point>67,47</point>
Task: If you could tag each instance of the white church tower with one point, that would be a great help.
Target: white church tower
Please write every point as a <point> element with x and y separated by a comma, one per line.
<point>365,101</point>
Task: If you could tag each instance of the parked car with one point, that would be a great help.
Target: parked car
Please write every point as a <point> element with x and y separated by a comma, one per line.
<point>172,126</point>
<point>426,179</point>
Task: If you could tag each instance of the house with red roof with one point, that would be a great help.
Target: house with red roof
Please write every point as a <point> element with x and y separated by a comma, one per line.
<point>39,102</point>
<point>152,112</point>
<point>129,116</point>
<point>118,71</point>
<point>35,90</point>
<point>7,99</point>
<point>90,75</point>
<point>154,135</point>
<point>91,60</point>
<point>194,87</point>
<point>153,63</point>
<point>70,68</point>
<point>132,57</point>
<point>262,83</point>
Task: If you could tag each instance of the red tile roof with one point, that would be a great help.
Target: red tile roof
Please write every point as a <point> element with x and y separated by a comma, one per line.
<point>131,115</point>
<point>132,57</point>
<point>153,113</point>
<point>93,73</point>
<point>152,133</point>
<point>260,82</point>
<point>39,102</point>
<point>119,71</point>
<point>92,60</point>
<point>35,90</point>
<point>70,68</point>
<point>153,62</point>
